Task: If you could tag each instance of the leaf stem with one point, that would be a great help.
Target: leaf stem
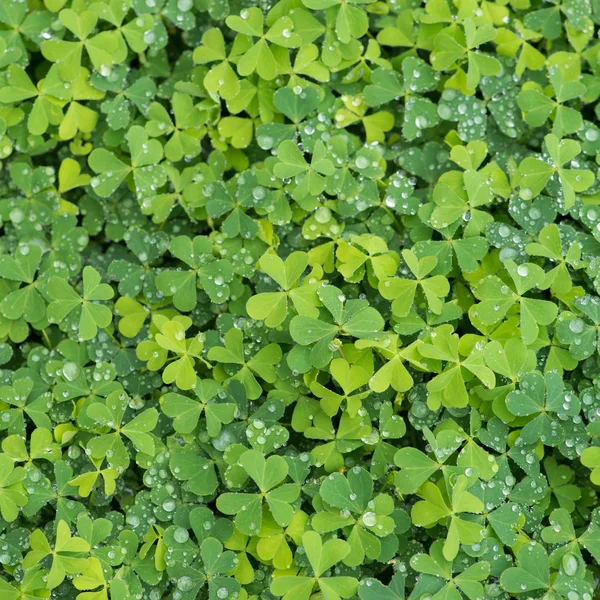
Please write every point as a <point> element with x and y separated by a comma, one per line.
<point>46,339</point>
<point>112,337</point>
<point>393,216</point>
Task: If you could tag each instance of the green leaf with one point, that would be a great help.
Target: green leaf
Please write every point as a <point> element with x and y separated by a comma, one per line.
<point>532,572</point>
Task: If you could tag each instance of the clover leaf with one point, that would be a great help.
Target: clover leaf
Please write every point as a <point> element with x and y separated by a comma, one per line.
<point>433,508</point>
<point>110,413</point>
<point>25,301</point>
<point>538,107</point>
<point>321,556</point>
<point>171,337</point>
<point>67,554</point>
<point>450,49</point>
<point>186,130</point>
<point>435,563</point>
<point>268,475</point>
<point>497,299</point>
<point>353,317</point>
<point>309,177</point>
<point>402,291</point>
<point>261,364</point>
<point>533,573</point>
<point>542,396</point>
<point>65,300</point>
<point>186,411</point>
<point>449,386</point>
<point>258,56</point>
<point>12,492</point>
<point>272,307</point>
<point>212,274</point>
<point>579,333</point>
<point>535,173</point>
<point>368,519</point>
<point>146,155</point>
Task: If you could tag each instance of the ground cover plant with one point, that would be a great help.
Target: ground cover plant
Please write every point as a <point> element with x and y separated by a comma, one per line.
<point>299,299</point>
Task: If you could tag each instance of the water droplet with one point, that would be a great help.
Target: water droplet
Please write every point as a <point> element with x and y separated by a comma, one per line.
<point>369,519</point>
<point>71,371</point>
<point>570,564</point>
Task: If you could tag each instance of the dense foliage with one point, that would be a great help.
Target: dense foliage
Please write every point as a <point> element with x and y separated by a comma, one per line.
<point>299,299</point>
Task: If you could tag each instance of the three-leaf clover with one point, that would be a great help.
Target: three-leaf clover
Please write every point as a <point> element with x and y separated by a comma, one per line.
<point>452,46</point>
<point>25,301</point>
<point>581,332</point>
<point>535,173</point>
<point>171,337</point>
<point>12,492</point>
<point>145,156</point>
<point>449,386</point>
<point>366,253</point>
<point>416,467</point>
<point>23,402</point>
<point>259,56</point>
<point>268,474</point>
<point>368,516</point>
<point>185,129</point>
<point>436,564</point>
<point>186,411</point>
<point>233,199</point>
<point>558,279</point>
<point>461,201</point>
<point>210,570</point>
<point>544,398</point>
<point>68,554</point>
<point>350,378</point>
<point>100,48</point>
<point>350,318</point>
<point>434,508</point>
<point>537,106</point>
<point>497,298</point>
<point>221,78</point>
<point>261,364</point>
<point>49,94</point>
<point>321,557</point>
<point>309,178</point>
<point>65,300</point>
<point>213,275</point>
<point>110,414</point>
<point>402,291</point>
<point>533,573</point>
<point>272,307</point>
